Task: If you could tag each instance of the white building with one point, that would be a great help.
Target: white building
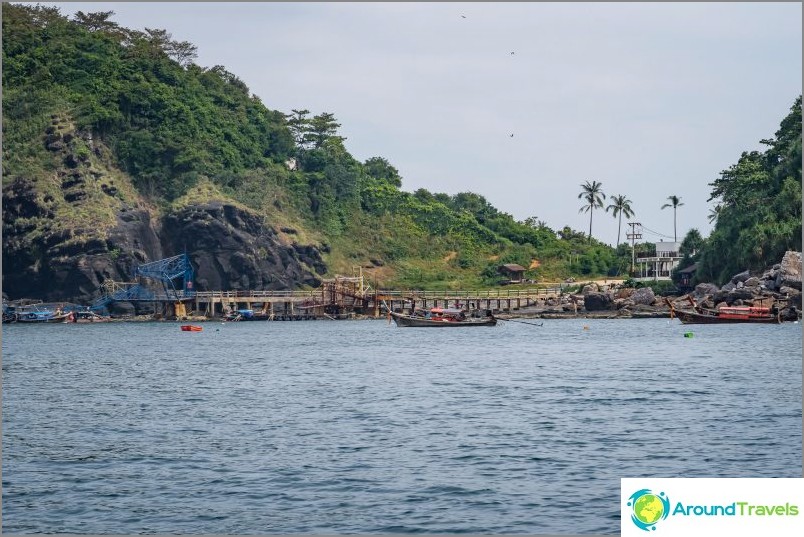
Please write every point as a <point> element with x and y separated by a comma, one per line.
<point>658,267</point>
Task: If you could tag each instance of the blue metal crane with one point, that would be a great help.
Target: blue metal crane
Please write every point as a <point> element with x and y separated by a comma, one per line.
<point>166,272</point>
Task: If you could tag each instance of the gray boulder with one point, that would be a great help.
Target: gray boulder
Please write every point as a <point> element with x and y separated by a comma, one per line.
<point>598,302</point>
<point>590,288</point>
<point>790,270</point>
<point>741,277</point>
<point>728,287</point>
<point>626,292</point>
<point>704,289</point>
<point>644,296</point>
<point>792,291</point>
<point>743,293</point>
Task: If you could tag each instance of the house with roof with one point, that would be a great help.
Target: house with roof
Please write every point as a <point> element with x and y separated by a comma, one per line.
<point>658,266</point>
<point>515,273</point>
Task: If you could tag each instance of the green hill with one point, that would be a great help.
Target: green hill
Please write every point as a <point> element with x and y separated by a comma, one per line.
<point>118,149</point>
<point>101,121</point>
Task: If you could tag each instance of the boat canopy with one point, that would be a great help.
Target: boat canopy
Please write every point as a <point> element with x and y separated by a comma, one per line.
<point>446,311</point>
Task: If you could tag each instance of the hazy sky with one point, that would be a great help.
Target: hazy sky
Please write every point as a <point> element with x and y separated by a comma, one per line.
<point>650,99</point>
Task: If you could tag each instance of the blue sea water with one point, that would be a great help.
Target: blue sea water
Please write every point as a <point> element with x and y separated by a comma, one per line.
<point>358,427</point>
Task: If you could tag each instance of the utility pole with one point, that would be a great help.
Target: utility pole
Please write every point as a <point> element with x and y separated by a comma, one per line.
<point>636,233</point>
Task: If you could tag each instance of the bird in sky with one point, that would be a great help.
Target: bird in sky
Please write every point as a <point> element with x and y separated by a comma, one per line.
<point>463,16</point>
<point>512,53</point>
<point>512,135</point>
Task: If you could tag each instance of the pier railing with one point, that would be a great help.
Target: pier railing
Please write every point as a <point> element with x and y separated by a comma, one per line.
<point>399,294</point>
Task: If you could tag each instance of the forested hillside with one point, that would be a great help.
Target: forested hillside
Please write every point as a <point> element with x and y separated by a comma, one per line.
<point>758,207</point>
<point>108,132</point>
<point>118,149</point>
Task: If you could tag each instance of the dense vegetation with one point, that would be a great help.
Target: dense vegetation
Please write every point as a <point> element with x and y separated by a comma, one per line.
<point>181,133</point>
<point>758,208</point>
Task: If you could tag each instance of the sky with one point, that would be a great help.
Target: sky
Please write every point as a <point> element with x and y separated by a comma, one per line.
<point>519,102</point>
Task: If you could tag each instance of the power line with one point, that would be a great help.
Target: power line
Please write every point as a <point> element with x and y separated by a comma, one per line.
<point>656,233</point>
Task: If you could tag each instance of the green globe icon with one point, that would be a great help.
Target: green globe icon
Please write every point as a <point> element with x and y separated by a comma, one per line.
<point>648,508</point>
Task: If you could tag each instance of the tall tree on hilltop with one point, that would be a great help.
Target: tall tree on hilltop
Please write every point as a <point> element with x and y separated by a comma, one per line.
<point>158,38</point>
<point>620,206</point>
<point>299,125</point>
<point>96,22</point>
<point>675,202</point>
<point>183,52</point>
<point>322,128</point>
<point>594,197</point>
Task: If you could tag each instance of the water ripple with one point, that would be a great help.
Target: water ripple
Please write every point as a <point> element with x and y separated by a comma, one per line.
<point>362,428</point>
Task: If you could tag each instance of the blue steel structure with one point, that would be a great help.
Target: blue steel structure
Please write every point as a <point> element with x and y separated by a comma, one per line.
<point>165,272</point>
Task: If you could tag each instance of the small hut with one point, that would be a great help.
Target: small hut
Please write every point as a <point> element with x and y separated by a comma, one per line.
<point>515,273</point>
<point>686,274</point>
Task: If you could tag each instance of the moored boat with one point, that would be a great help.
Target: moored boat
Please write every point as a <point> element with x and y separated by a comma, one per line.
<point>87,316</point>
<point>191,328</point>
<point>441,318</point>
<point>43,316</point>
<point>724,315</point>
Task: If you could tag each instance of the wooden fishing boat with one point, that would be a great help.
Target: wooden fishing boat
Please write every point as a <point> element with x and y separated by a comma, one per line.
<point>441,318</point>
<point>86,316</point>
<point>43,317</point>
<point>725,315</point>
<point>191,328</point>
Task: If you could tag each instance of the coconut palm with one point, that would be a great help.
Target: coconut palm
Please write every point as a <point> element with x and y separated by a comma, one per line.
<point>594,200</point>
<point>714,213</point>
<point>620,206</point>
<point>675,202</point>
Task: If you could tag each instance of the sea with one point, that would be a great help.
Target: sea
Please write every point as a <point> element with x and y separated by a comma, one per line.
<point>360,427</point>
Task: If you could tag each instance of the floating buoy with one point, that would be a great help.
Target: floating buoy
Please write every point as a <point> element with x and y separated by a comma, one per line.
<point>687,334</point>
<point>585,327</point>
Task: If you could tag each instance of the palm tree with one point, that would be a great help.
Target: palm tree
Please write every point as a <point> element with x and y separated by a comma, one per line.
<point>714,213</point>
<point>620,206</point>
<point>675,202</point>
<point>594,200</point>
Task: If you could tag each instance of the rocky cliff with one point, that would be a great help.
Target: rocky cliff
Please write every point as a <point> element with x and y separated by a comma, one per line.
<point>81,222</point>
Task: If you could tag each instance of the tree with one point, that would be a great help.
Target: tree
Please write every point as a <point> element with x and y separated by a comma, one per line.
<point>183,52</point>
<point>322,128</point>
<point>675,202</point>
<point>692,243</point>
<point>714,213</point>
<point>96,22</point>
<point>158,38</point>
<point>299,125</point>
<point>594,200</point>
<point>620,206</point>
<point>379,168</point>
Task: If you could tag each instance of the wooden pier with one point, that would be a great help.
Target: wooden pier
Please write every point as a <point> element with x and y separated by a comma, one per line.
<point>342,298</point>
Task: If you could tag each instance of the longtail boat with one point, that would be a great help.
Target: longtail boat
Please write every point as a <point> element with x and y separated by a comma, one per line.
<point>43,316</point>
<point>440,318</point>
<point>724,315</point>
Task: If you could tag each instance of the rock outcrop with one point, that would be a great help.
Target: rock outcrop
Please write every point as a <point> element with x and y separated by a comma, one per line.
<point>65,234</point>
<point>229,247</point>
<point>778,288</point>
<point>234,249</point>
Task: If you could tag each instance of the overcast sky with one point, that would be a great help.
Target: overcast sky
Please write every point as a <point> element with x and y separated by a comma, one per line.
<point>650,99</point>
